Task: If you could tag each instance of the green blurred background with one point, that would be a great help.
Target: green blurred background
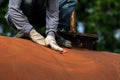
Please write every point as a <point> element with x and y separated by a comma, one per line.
<point>101,17</point>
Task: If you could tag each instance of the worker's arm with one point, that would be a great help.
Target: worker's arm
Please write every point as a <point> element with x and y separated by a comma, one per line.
<point>52,15</point>
<point>17,16</point>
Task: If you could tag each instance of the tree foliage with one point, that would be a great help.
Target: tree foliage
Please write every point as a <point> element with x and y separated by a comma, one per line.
<point>3,23</point>
<point>101,17</point>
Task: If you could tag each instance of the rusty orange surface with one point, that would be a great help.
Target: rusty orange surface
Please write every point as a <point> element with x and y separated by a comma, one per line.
<point>22,59</point>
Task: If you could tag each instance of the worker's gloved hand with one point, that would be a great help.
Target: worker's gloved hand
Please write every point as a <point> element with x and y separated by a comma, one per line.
<point>37,37</point>
<point>50,41</point>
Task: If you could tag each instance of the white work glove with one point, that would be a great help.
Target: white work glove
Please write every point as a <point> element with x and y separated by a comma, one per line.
<point>50,41</point>
<point>37,37</point>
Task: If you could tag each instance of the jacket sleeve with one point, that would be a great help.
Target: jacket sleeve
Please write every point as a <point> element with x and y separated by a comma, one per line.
<point>52,15</point>
<point>18,18</point>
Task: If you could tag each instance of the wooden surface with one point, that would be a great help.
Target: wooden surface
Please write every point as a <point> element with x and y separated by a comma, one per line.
<point>94,36</point>
<point>24,60</point>
<point>82,40</point>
